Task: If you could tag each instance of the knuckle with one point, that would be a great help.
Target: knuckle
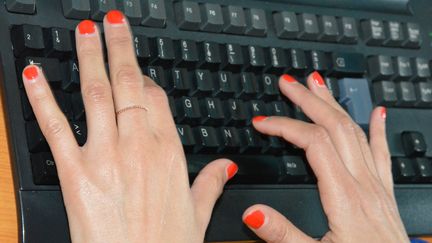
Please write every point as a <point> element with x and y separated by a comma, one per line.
<point>213,181</point>
<point>345,123</point>
<point>96,91</point>
<point>128,75</point>
<point>320,134</point>
<point>119,41</point>
<point>54,127</point>
<point>88,49</point>
<point>157,93</point>
<point>278,233</point>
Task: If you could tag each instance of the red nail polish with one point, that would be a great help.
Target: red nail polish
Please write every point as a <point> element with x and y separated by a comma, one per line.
<point>115,17</point>
<point>384,113</point>
<point>316,76</point>
<point>255,219</point>
<point>232,170</point>
<point>288,78</point>
<point>86,27</point>
<point>31,72</point>
<point>259,118</point>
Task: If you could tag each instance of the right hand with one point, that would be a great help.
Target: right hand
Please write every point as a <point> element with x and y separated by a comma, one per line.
<point>354,176</point>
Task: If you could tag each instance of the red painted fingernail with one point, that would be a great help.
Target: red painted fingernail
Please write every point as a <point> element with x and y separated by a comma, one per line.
<point>384,113</point>
<point>115,17</point>
<point>31,72</point>
<point>255,219</point>
<point>259,118</point>
<point>288,78</point>
<point>232,170</point>
<point>317,78</point>
<point>86,27</point>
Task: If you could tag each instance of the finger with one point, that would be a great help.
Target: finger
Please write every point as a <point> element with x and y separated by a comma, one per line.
<point>95,87</point>
<point>317,85</point>
<point>332,175</point>
<point>271,226</point>
<point>208,186</point>
<point>126,77</point>
<point>379,147</point>
<point>340,127</point>
<point>52,121</point>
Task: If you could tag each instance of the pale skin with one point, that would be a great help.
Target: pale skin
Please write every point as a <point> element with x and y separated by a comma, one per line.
<point>129,182</point>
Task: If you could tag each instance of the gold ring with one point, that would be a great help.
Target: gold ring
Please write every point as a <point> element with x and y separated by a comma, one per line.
<point>131,108</point>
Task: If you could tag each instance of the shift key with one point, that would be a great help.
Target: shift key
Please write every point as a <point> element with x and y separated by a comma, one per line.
<point>348,63</point>
<point>355,98</point>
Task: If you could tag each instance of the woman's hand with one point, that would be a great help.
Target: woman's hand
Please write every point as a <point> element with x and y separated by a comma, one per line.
<point>129,182</point>
<point>354,176</point>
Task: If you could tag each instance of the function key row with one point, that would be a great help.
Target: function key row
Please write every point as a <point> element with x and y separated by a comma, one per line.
<point>399,68</point>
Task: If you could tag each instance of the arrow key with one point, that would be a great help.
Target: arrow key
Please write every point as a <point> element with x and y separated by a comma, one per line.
<point>79,130</point>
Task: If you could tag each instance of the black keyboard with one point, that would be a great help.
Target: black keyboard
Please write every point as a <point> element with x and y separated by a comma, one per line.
<point>219,63</point>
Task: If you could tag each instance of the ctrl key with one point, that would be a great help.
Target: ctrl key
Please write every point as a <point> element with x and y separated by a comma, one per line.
<point>44,169</point>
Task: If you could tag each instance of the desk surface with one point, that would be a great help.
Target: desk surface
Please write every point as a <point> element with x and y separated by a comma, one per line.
<point>8,217</point>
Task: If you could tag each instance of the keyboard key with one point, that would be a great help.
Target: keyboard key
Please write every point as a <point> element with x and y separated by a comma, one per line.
<point>157,73</point>
<point>385,93</point>
<point>380,67</point>
<point>257,22</point>
<point>76,9</point>
<point>248,86</point>
<point>154,13</point>
<point>78,110</point>
<point>395,34</point>
<point>286,25</point>
<point>349,30</point>
<point>203,81</point>
<point>320,60</point>
<point>333,87</point>
<point>26,107</point>
<point>213,20</point>
<point>44,169</point>
<point>298,61</point>
<point>212,54</point>
<point>270,87</point>
<point>188,15</point>
<point>186,137</point>
<point>165,54</point>
<point>100,8</point>
<point>235,20</point>
<point>278,60</point>
<point>423,168</point>
<point>132,9</point>
<point>257,108</point>
<point>403,68</point>
<point>374,33</point>
<point>293,170</point>
<point>188,53</point>
<point>348,63</point>
<point>79,129</point>
<point>235,113</point>
<point>424,93</point>
<point>279,108</point>
<point>142,48</point>
<point>403,170</point>
<point>329,27</point>
<point>21,6</point>
<point>225,84</point>
<point>180,82</point>
<point>27,40</point>
<point>212,111</point>
<point>413,34</point>
<point>256,57</point>
<point>50,66</point>
<point>406,93</point>
<point>273,145</point>
<point>423,70</point>
<point>58,42</point>
<point>230,140</point>
<point>188,110</point>
<point>35,139</point>
<point>309,28</point>
<point>251,141</point>
<point>235,56</point>
<point>355,97</point>
<point>207,139</point>
<point>413,143</point>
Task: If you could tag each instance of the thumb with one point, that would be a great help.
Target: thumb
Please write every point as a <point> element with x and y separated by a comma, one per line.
<point>208,186</point>
<point>273,227</point>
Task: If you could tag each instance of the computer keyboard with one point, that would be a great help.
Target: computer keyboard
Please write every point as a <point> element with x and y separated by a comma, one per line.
<point>219,63</point>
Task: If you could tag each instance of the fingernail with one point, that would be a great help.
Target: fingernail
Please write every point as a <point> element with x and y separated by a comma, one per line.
<point>231,170</point>
<point>288,78</point>
<point>317,78</point>
<point>255,219</point>
<point>86,27</point>
<point>115,17</point>
<point>31,72</point>
<point>383,113</point>
<point>259,118</point>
